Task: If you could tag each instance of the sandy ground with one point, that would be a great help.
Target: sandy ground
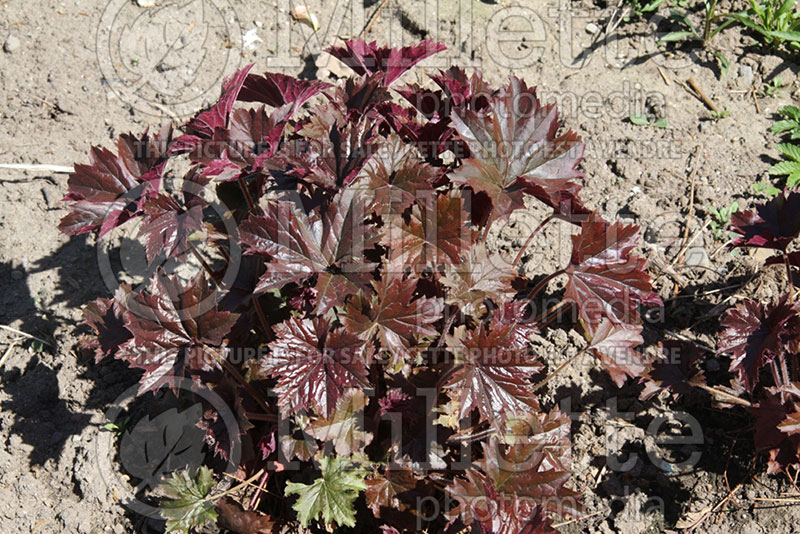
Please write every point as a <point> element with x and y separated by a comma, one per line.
<point>76,74</point>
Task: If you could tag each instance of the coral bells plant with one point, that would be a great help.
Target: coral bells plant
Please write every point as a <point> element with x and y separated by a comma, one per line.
<point>394,382</point>
<point>763,338</point>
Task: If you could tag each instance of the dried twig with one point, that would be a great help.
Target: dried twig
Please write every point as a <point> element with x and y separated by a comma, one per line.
<point>664,76</point>
<point>701,95</point>
<point>373,18</point>
<point>29,336</point>
<point>58,169</point>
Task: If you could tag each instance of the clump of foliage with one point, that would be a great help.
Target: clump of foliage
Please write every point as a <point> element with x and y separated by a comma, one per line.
<point>763,338</point>
<point>394,363</point>
<point>790,124</point>
<point>775,21</point>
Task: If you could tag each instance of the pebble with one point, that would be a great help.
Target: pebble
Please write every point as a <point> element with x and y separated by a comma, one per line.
<point>11,45</point>
<point>592,28</point>
<point>145,3</point>
<point>17,275</point>
<point>746,75</point>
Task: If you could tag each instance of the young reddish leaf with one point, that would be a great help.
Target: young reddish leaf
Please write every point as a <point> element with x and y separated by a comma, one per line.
<point>614,345</point>
<point>605,279</point>
<point>431,238</point>
<point>171,324</point>
<point>345,427</point>
<point>493,366</point>
<point>481,504</point>
<point>395,177</point>
<point>252,139</point>
<point>383,490</point>
<point>277,90</point>
<point>774,224</point>
<point>314,365</point>
<point>675,370</point>
<point>369,58</point>
<point>395,319</point>
<point>477,278</point>
<point>518,139</point>
<point>783,447</point>
<point>113,188</point>
<point>333,160</point>
<point>302,245</point>
<point>754,334</point>
<point>204,124</point>
<point>105,318</point>
<point>168,226</point>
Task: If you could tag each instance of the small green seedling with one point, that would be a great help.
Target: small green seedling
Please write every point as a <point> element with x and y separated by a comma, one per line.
<point>721,218</point>
<point>765,188</point>
<point>117,428</point>
<point>776,21</point>
<point>717,115</point>
<point>771,88</point>
<point>640,119</point>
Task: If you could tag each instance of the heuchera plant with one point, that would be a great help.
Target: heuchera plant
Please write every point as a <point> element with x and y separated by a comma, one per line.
<point>394,369</point>
<point>763,338</point>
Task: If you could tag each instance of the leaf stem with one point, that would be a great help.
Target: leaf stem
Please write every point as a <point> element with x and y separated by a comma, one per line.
<point>530,238</point>
<point>550,315</point>
<point>246,192</point>
<point>789,278</point>
<point>733,398</point>
<point>262,318</point>
<point>236,487</point>
<point>239,378</point>
<point>203,263</point>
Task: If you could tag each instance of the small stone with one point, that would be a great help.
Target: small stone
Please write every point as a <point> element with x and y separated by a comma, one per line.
<point>17,275</point>
<point>746,75</point>
<point>697,257</point>
<point>592,28</point>
<point>146,3</point>
<point>11,45</point>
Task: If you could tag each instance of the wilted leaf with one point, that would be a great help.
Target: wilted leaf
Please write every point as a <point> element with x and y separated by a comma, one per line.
<point>345,427</point>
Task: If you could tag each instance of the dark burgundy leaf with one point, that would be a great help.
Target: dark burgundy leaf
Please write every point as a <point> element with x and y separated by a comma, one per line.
<point>276,90</point>
<point>493,364</point>
<point>168,225</point>
<point>113,188</point>
<point>675,369</point>
<point>204,124</point>
<point>755,334</point>
<point>605,279</point>
<point>105,318</point>
<point>383,489</point>
<point>300,246</point>
<point>171,323</point>
<point>398,322</point>
<point>614,345</point>
<point>314,365</point>
<point>369,58</point>
<point>773,224</point>
<point>476,278</point>
<point>430,238</point>
<point>517,139</point>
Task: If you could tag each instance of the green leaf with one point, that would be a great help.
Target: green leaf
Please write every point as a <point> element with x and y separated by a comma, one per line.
<point>675,36</point>
<point>684,18</point>
<point>785,36</point>
<point>784,167</point>
<point>652,6</point>
<point>783,126</point>
<point>331,495</point>
<point>793,112</point>
<point>789,150</point>
<point>793,179</point>
<point>187,506</point>
<point>766,188</point>
<point>661,123</point>
<point>639,119</point>
<point>723,63</point>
